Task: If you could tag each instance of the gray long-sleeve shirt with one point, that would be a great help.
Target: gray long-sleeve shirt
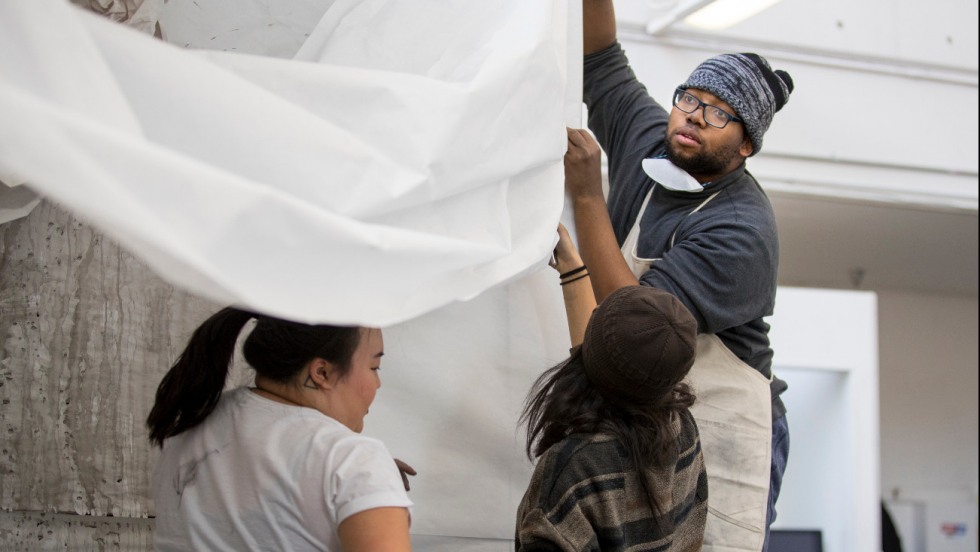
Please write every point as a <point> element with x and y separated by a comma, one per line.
<point>724,260</point>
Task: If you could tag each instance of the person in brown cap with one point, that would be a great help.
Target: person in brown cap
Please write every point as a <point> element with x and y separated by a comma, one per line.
<point>619,462</point>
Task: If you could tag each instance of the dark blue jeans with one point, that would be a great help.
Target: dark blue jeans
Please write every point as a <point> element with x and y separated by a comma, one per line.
<point>780,451</point>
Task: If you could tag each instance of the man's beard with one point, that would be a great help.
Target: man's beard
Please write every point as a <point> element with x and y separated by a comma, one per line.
<point>706,163</point>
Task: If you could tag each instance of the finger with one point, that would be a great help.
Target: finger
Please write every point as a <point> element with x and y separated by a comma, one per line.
<point>404,470</point>
<point>402,466</point>
<point>575,137</point>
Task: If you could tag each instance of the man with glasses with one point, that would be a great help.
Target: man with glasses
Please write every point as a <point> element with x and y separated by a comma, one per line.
<point>684,215</point>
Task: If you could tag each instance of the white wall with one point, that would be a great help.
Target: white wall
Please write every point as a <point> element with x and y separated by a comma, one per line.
<point>929,412</point>
<point>825,344</point>
<point>928,377</point>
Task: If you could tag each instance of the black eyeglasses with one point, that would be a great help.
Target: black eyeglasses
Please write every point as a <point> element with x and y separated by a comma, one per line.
<point>714,116</point>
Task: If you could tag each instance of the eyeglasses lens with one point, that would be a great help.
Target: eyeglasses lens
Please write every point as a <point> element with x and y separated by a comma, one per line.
<point>689,104</point>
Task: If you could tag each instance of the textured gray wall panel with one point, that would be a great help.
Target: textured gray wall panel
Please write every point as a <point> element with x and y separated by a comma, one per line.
<point>35,531</point>
<point>87,332</point>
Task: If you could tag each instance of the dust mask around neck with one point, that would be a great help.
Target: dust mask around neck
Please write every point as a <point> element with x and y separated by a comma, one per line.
<point>670,176</point>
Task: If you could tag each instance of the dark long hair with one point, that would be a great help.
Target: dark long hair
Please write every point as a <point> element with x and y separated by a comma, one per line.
<point>562,402</point>
<point>277,349</point>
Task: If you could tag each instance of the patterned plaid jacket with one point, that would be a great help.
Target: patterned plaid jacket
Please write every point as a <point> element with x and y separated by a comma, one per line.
<point>586,496</point>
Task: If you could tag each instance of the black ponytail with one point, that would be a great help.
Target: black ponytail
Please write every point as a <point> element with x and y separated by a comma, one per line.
<point>191,388</point>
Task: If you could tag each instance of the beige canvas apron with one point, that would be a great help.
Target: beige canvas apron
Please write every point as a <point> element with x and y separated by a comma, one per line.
<point>733,412</point>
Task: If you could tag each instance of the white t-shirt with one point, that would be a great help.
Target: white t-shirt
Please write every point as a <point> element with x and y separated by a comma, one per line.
<point>260,475</point>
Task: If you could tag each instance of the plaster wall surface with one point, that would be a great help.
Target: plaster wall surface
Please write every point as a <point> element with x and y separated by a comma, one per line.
<point>929,405</point>
<point>87,332</point>
<point>44,532</point>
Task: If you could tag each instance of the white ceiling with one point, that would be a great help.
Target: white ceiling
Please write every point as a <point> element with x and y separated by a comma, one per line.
<point>849,245</point>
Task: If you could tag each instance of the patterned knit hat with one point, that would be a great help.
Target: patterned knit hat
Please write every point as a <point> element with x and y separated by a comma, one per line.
<point>748,84</point>
<point>639,343</point>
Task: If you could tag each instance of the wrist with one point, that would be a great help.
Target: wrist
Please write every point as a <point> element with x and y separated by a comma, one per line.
<point>564,266</point>
<point>587,201</point>
<point>574,275</point>
<point>580,277</point>
<point>573,271</point>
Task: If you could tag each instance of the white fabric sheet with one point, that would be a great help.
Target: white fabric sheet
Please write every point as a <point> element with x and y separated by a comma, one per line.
<point>16,202</point>
<point>410,156</point>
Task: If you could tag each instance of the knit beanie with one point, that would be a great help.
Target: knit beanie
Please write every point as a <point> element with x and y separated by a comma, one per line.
<point>748,84</point>
<point>639,343</point>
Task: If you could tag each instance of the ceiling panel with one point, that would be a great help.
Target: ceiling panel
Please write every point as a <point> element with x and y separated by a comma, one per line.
<point>851,245</point>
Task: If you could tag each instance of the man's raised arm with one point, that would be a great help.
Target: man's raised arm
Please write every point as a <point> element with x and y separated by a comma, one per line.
<point>599,25</point>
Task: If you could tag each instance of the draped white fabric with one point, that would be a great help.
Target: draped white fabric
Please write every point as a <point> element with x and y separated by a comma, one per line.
<point>408,157</point>
<point>404,170</point>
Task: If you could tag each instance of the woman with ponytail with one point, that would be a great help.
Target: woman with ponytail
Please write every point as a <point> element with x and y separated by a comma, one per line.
<point>618,457</point>
<point>281,465</point>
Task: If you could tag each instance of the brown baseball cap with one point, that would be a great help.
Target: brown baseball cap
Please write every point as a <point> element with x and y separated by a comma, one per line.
<point>639,343</point>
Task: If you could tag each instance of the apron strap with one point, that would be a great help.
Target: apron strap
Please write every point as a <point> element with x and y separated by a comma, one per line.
<point>698,208</point>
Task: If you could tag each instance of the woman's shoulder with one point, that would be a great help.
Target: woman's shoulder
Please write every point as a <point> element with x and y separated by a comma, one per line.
<point>584,455</point>
<point>299,428</point>
<point>326,433</point>
<point>686,428</point>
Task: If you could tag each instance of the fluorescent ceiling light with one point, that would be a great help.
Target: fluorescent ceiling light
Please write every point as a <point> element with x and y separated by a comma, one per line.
<point>722,14</point>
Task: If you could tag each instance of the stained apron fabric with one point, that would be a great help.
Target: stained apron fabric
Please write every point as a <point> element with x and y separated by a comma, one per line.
<point>734,416</point>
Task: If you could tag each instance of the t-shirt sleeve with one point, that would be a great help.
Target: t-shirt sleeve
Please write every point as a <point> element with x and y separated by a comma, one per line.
<point>364,477</point>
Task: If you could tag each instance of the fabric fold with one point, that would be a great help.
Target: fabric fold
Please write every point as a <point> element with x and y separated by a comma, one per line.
<point>348,185</point>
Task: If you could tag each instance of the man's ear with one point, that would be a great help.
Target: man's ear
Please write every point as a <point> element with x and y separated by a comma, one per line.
<point>319,374</point>
<point>746,149</point>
